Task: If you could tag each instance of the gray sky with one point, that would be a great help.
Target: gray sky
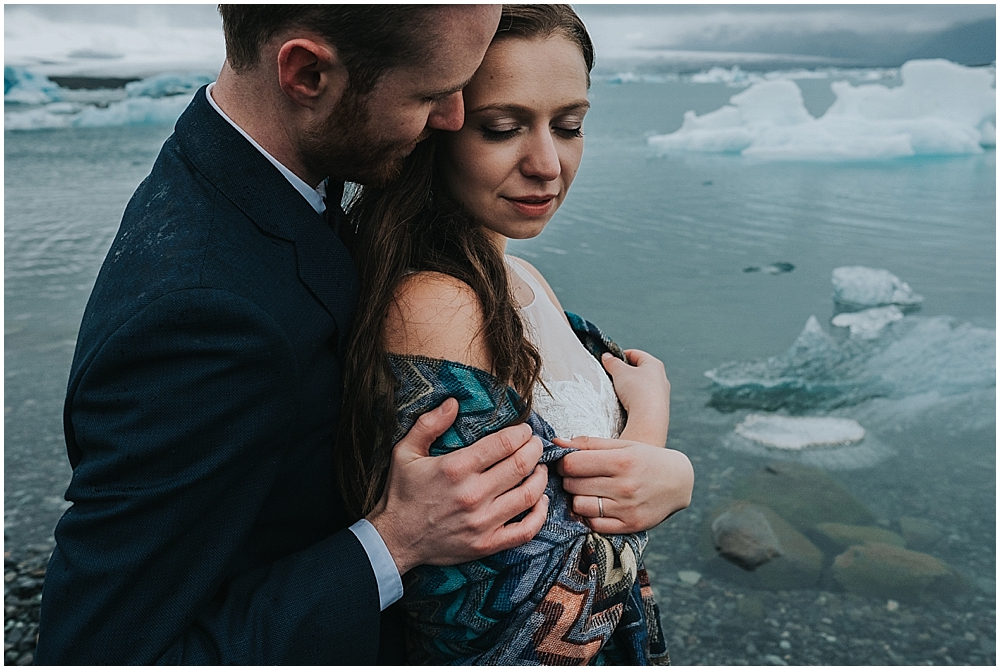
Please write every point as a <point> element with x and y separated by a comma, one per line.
<point>857,34</point>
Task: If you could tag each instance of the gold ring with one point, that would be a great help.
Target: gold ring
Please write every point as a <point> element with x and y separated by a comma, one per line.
<point>600,506</point>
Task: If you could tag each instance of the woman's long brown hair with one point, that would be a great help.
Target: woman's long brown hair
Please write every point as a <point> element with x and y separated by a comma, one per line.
<point>413,225</point>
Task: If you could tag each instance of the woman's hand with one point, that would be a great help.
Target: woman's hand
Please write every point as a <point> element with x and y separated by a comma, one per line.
<point>639,485</point>
<point>644,391</point>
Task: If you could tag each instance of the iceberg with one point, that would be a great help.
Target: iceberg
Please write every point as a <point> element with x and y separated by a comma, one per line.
<point>867,323</point>
<point>156,100</point>
<point>167,84</point>
<point>858,287</point>
<point>797,433</point>
<point>906,357</point>
<point>940,108</point>
<point>22,87</point>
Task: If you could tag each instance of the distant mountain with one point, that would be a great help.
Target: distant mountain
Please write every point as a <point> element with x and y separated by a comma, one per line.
<point>969,44</point>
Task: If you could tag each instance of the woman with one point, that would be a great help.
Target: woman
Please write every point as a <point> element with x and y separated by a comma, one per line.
<point>450,315</point>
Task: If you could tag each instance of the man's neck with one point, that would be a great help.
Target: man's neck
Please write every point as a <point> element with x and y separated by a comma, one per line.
<point>259,118</point>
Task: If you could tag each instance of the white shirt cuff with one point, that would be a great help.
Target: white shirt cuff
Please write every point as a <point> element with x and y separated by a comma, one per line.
<point>390,586</point>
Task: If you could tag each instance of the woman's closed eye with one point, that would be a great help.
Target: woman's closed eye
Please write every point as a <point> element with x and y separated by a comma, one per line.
<point>501,133</point>
<point>569,133</point>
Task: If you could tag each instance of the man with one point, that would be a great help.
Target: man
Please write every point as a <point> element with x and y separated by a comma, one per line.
<point>203,398</point>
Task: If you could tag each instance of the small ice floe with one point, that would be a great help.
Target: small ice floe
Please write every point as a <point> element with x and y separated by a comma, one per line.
<point>867,324</point>
<point>826,442</point>
<point>941,108</point>
<point>800,432</point>
<point>858,286</point>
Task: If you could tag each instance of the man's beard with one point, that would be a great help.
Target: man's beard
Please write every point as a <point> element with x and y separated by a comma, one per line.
<point>344,148</point>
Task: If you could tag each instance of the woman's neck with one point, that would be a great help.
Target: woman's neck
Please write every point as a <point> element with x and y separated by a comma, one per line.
<point>499,241</point>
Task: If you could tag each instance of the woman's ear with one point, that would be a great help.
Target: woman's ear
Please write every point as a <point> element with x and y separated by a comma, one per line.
<point>310,73</point>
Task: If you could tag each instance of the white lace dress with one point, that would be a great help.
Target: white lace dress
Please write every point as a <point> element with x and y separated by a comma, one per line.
<point>575,396</point>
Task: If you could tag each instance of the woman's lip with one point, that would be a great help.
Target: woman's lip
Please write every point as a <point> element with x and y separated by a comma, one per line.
<point>532,205</point>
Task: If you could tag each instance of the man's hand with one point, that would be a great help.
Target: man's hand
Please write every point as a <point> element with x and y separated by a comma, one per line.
<point>443,510</point>
<point>640,485</point>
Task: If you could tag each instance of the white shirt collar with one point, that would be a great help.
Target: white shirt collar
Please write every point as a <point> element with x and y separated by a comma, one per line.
<point>316,197</point>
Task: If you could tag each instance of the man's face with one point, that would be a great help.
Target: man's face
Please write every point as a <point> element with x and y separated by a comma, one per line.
<point>366,138</point>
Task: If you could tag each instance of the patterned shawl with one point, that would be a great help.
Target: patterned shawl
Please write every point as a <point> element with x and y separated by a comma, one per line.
<point>570,596</point>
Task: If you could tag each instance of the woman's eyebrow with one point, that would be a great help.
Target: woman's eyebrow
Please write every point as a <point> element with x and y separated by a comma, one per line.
<point>577,105</point>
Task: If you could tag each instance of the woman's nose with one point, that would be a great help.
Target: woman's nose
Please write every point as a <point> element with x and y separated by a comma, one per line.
<point>541,160</point>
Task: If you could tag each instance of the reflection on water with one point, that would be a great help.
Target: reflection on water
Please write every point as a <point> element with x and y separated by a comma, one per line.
<point>653,250</point>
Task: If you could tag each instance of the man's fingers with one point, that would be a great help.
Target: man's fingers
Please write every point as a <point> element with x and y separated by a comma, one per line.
<point>492,449</point>
<point>520,498</point>
<point>515,534</point>
<point>509,472</point>
<point>429,426</point>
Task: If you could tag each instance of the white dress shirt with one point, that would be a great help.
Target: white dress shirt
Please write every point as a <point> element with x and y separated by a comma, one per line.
<point>390,586</point>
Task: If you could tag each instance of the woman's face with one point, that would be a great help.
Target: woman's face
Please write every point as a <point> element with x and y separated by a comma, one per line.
<point>515,157</point>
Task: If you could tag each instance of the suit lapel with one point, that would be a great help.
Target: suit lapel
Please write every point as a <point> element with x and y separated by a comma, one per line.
<point>244,176</point>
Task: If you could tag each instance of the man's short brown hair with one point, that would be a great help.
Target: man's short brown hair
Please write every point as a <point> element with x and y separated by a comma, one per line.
<point>369,39</point>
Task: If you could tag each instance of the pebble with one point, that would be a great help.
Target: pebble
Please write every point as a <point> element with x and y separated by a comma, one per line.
<point>23,581</point>
<point>689,577</point>
<point>774,659</point>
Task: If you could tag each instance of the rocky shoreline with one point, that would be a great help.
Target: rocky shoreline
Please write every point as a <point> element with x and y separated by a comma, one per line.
<point>23,577</point>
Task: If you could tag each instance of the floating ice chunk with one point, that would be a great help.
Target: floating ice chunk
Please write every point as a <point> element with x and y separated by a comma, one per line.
<point>168,84</point>
<point>128,112</point>
<point>910,356</point>
<point>861,286</point>
<point>20,86</point>
<point>719,75</point>
<point>940,109</point>
<point>799,432</point>
<point>868,323</point>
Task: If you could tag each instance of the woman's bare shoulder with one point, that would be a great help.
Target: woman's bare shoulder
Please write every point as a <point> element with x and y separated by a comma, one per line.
<point>438,316</point>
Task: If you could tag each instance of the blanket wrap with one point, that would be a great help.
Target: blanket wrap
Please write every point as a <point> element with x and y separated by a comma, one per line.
<point>570,596</point>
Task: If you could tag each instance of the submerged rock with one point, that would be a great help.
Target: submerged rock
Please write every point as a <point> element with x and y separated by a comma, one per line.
<point>919,533</point>
<point>799,564</point>
<point>886,571</point>
<point>742,535</point>
<point>859,286</point>
<point>803,496</point>
<point>845,535</point>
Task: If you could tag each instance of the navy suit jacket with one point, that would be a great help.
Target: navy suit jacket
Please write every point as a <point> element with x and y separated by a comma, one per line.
<point>200,421</point>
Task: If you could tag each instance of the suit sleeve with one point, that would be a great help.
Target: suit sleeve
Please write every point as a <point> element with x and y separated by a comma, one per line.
<point>181,416</point>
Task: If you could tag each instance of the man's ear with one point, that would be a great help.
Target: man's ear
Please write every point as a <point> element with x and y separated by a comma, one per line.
<point>310,73</point>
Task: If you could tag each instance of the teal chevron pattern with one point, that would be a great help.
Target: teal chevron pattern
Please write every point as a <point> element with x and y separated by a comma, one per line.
<point>569,596</point>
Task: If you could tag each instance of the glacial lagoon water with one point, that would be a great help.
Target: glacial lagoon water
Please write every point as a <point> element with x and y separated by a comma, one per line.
<point>655,250</point>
